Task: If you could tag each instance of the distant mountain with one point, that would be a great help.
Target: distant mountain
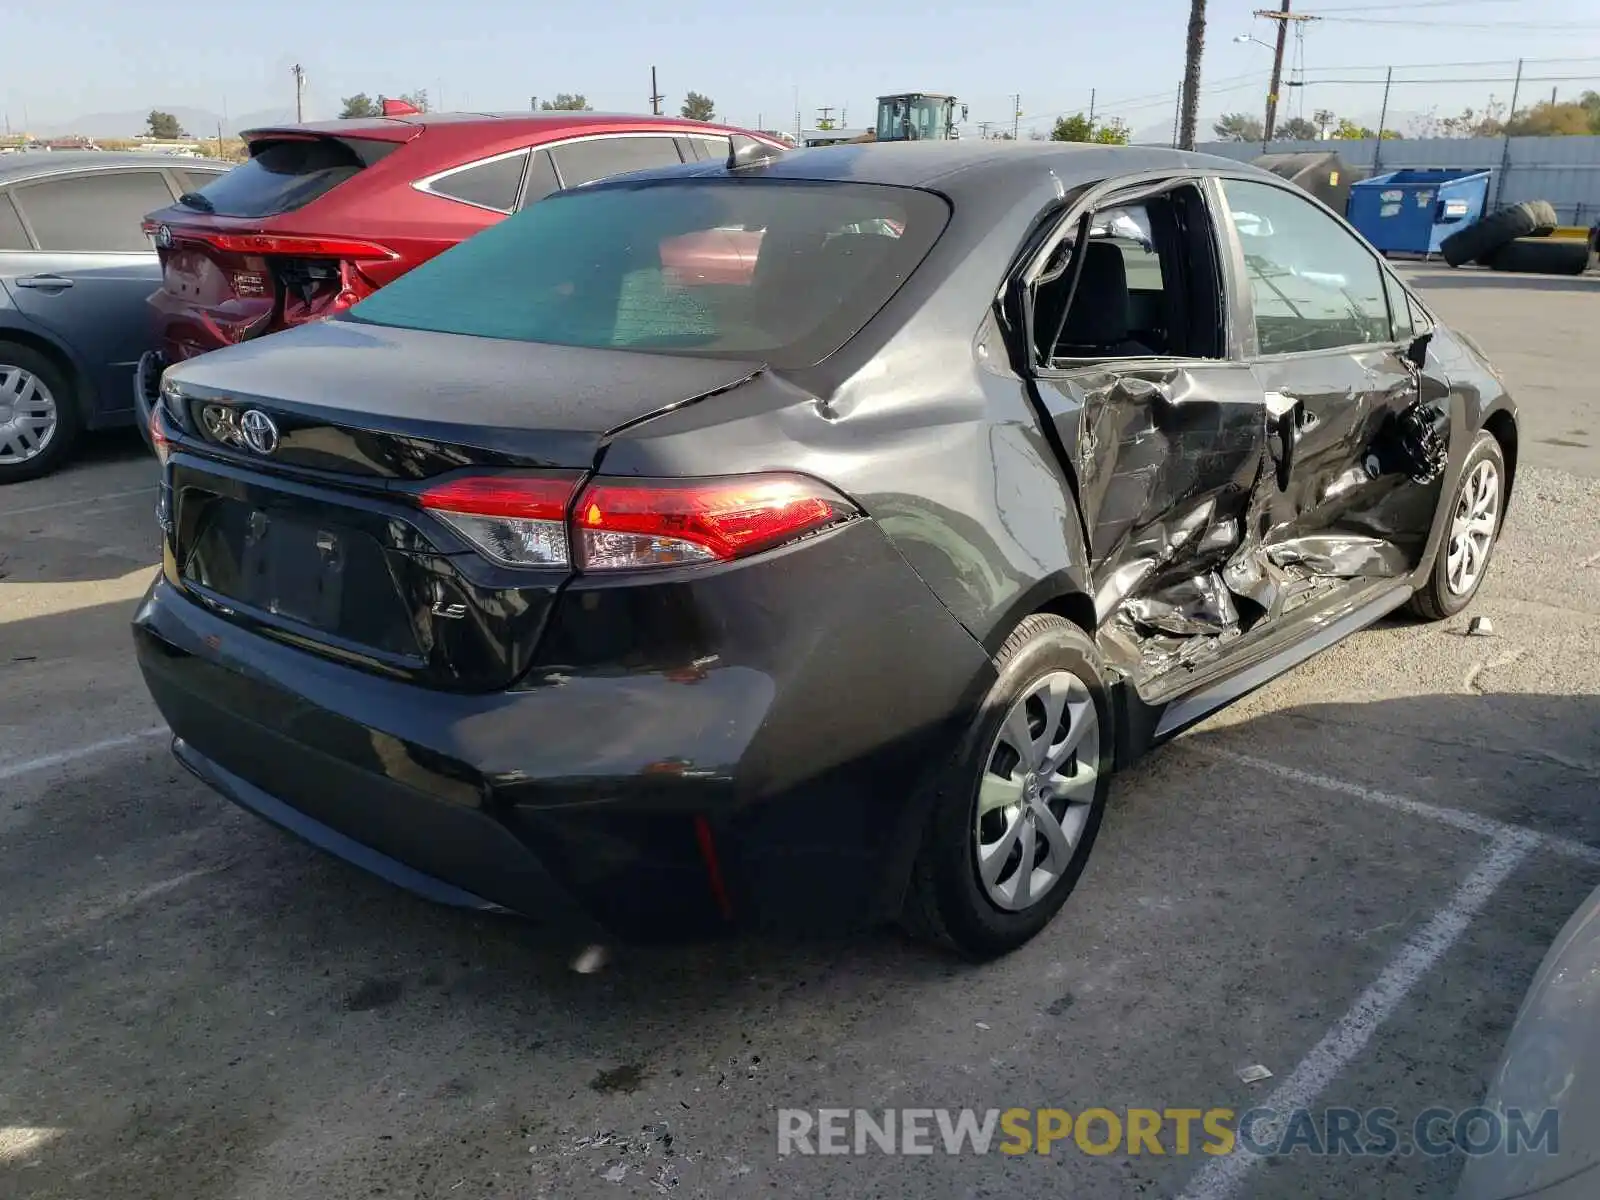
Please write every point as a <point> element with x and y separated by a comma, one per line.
<point>200,122</point>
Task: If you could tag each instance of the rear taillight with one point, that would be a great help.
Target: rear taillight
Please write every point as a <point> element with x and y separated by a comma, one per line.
<point>514,520</point>
<point>290,244</point>
<point>160,434</point>
<point>530,520</point>
<point>625,524</point>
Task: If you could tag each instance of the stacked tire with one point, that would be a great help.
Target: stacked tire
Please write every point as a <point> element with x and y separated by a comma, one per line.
<point>1517,238</point>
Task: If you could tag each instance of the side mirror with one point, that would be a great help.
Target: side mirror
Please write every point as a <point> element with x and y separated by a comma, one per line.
<point>1417,352</point>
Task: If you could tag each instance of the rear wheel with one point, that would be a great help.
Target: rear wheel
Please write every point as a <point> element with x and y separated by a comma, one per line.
<point>1463,556</point>
<point>39,418</point>
<point>1022,800</point>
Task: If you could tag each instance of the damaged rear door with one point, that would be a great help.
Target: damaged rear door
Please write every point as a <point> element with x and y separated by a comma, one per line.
<point>1355,451</point>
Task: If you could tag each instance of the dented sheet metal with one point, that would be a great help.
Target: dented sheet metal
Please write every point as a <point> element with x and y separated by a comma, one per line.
<point>1216,502</point>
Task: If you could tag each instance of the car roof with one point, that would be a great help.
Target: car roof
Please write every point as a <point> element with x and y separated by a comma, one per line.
<point>956,167</point>
<point>33,164</point>
<point>510,123</point>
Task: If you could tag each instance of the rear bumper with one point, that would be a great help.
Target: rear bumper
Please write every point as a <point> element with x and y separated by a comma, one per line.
<point>585,797</point>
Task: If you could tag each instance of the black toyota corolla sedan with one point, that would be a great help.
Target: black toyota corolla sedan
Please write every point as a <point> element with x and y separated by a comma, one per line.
<point>803,541</point>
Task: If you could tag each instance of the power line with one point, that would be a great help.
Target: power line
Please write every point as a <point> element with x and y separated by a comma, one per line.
<point>1523,25</point>
<point>1344,8</point>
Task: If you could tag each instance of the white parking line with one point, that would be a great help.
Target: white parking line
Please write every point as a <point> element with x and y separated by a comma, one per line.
<point>15,770</point>
<point>1348,1036</point>
<point>38,508</point>
<point>1458,817</point>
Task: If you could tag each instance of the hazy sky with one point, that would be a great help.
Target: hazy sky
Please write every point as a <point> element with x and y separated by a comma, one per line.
<point>68,58</point>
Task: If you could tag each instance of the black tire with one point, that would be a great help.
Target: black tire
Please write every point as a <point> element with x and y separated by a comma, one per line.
<point>69,417</point>
<point>947,902</point>
<point>1436,600</point>
<point>1486,235</point>
<point>1542,256</point>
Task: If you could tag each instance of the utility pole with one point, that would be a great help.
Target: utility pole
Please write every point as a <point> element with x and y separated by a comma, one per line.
<point>299,92</point>
<point>219,139</point>
<point>824,121</point>
<point>1282,16</point>
<point>1194,47</point>
<point>1383,115</point>
<point>655,94</point>
<point>1016,115</point>
<point>1092,95</point>
<point>1505,150</point>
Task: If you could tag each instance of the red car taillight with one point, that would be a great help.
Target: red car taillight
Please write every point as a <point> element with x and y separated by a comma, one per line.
<point>514,520</point>
<point>627,524</point>
<point>619,524</point>
<point>293,245</point>
<point>160,434</point>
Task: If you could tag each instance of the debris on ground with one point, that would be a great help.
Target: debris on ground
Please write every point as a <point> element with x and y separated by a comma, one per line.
<point>1480,627</point>
<point>591,959</point>
<point>1254,1073</point>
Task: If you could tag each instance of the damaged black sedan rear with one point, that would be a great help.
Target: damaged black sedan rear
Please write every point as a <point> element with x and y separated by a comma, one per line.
<point>803,541</point>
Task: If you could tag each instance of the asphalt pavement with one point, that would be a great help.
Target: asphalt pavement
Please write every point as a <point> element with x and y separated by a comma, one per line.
<point>1347,879</point>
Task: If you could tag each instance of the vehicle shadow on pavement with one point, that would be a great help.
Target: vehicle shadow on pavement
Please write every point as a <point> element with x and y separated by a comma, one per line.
<point>200,1006</point>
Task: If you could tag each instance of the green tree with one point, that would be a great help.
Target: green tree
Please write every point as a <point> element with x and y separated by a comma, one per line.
<point>417,99</point>
<point>698,107</point>
<point>1550,120</point>
<point>1348,130</point>
<point>1298,129</point>
<point>1591,105</point>
<point>1238,127</point>
<point>359,105</point>
<point>1076,128</point>
<point>566,102</point>
<point>164,125</point>
<point>1111,133</point>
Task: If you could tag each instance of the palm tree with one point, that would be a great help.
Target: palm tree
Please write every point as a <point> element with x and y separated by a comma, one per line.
<point>1191,72</point>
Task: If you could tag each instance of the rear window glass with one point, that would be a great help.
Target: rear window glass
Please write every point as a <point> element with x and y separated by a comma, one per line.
<point>282,176</point>
<point>784,271</point>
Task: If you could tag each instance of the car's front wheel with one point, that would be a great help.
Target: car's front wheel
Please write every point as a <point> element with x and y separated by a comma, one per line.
<point>1021,802</point>
<point>1475,517</point>
<point>39,419</point>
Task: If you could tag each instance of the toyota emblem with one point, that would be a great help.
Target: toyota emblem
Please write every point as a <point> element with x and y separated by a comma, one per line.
<point>258,431</point>
<point>164,237</point>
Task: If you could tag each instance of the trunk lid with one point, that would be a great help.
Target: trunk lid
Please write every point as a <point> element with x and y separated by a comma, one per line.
<point>322,543</point>
<point>377,401</point>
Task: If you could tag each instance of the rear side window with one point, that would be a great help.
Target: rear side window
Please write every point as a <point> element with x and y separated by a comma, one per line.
<point>96,213</point>
<point>781,271</point>
<point>584,162</point>
<point>490,184</point>
<point>12,235</point>
<point>541,180</point>
<point>282,176</point>
<point>192,180</point>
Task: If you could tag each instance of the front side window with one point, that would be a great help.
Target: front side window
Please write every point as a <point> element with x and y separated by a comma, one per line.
<point>1399,309</point>
<point>97,213</point>
<point>778,270</point>
<point>586,161</point>
<point>1314,284</point>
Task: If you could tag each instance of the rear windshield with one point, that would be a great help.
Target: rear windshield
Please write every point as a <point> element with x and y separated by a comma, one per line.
<point>784,271</point>
<point>282,176</point>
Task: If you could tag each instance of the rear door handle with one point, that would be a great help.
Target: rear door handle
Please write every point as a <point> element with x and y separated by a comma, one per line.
<point>50,283</point>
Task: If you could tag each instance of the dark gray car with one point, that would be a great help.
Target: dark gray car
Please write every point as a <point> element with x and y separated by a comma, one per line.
<point>75,270</point>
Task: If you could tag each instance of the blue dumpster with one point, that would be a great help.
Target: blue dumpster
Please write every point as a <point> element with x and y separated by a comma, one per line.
<point>1413,211</point>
